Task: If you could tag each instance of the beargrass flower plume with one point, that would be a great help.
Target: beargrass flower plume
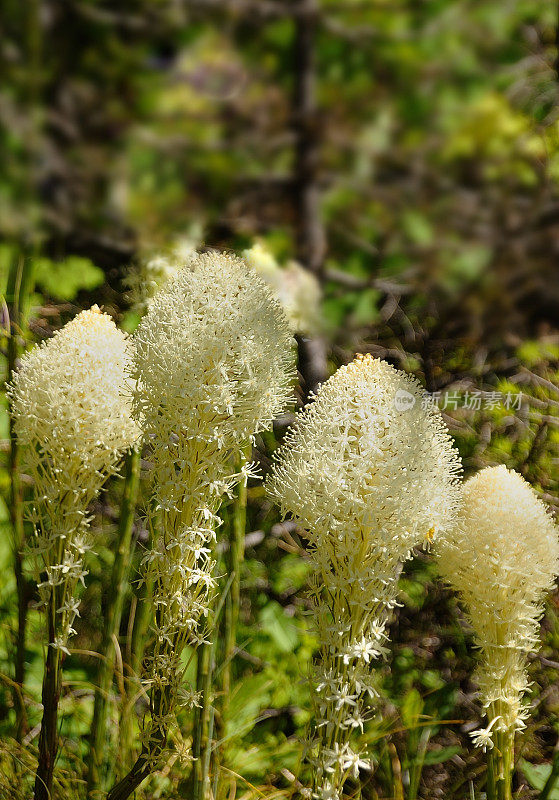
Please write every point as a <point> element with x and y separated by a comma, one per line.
<point>368,481</point>
<point>213,366</point>
<point>72,419</point>
<point>502,556</point>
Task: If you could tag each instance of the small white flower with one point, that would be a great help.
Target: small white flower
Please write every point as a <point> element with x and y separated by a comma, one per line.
<point>352,762</point>
<point>365,649</point>
<point>327,792</point>
<point>71,607</point>
<point>483,737</point>
<point>60,644</point>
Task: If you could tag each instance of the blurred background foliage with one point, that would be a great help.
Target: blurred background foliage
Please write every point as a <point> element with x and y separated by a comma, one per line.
<point>406,153</point>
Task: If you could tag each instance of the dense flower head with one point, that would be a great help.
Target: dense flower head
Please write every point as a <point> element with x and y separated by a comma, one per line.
<point>213,361</point>
<point>370,457</point>
<point>502,556</point>
<point>369,470</point>
<point>70,400</point>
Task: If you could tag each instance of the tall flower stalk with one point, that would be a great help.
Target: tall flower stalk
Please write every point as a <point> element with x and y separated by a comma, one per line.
<point>98,761</point>
<point>502,556</point>
<point>368,469</point>
<point>72,421</point>
<point>17,293</point>
<point>212,367</point>
<point>234,558</point>
<point>137,634</point>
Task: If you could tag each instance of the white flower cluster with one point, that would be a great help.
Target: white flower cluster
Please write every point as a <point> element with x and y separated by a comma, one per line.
<point>72,412</point>
<point>296,288</point>
<point>212,367</point>
<point>502,556</point>
<point>369,482</point>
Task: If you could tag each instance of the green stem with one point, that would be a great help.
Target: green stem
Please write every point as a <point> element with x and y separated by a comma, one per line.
<point>142,621</point>
<point>48,737</point>
<point>200,712</point>
<point>97,765</point>
<point>162,706</point>
<point>235,559</point>
<point>147,760</point>
<point>208,753</point>
<point>22,586</point>
<point>491,787</point>
<point>418,760</point>
<point>17,291</point>
<point>501,764</point>
<point>204,714</point>
<point>143,590</point>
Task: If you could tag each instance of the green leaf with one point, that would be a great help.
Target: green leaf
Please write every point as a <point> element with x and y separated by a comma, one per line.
<point>292,574</point>
<point>537,775</point>
<point>411,708</point>
<point>365,310</point>
<point>414,592</point>
<point>64,279</point>
<point>438,756</point>
<point>248,698</point>
<point>279,627</point>
<point>130,321</point>
<point>418,228</point>
<point>469,264</point>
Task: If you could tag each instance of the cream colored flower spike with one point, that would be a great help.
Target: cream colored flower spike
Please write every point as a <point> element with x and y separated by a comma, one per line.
<point>213,366</point>
<point>71,405</point>
<point>502,556</point>
<point>70,401</point>
<point>370,471</point>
